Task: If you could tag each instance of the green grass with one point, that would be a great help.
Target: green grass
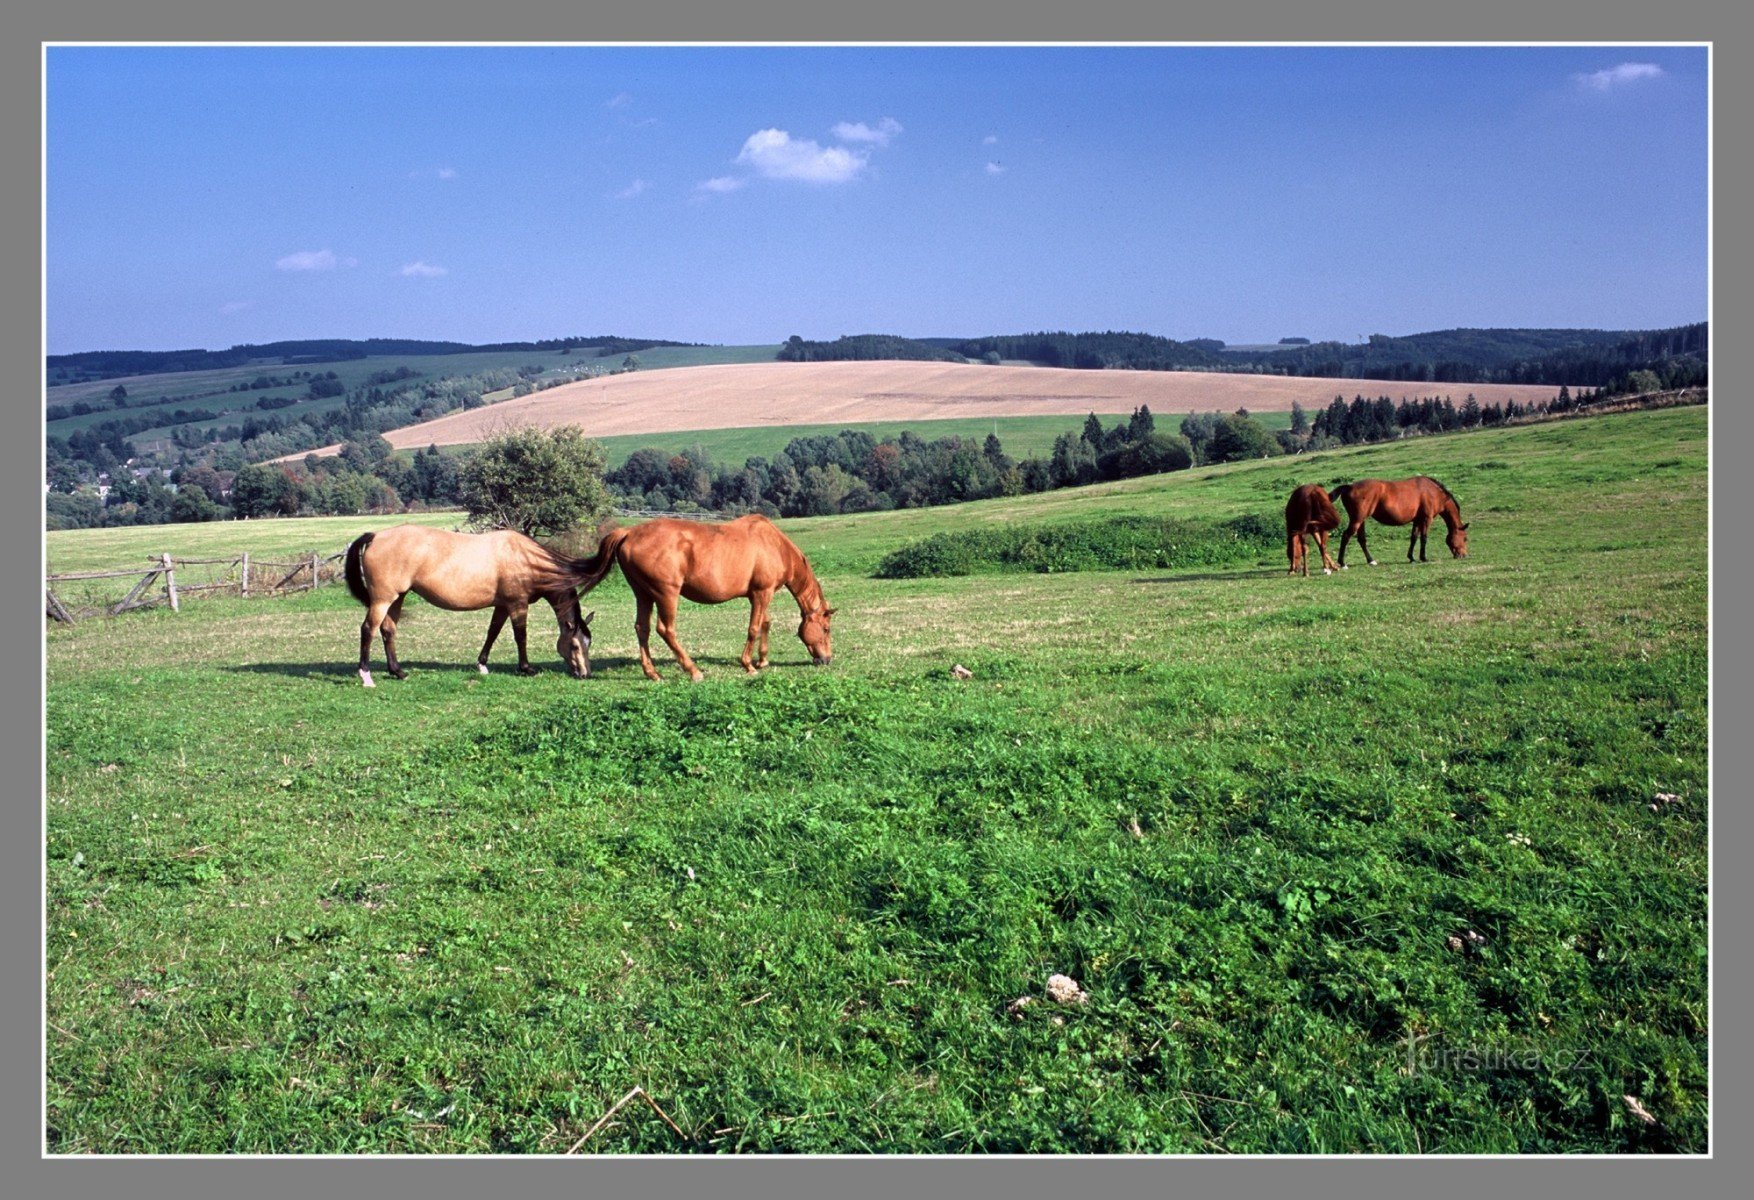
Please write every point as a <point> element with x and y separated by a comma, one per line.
<point>1247,813</point>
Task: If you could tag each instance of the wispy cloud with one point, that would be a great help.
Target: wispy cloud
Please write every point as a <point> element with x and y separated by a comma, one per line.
<point>877,135</point>
<point>633,189</point>
<point>776,154</point>
<point>992,139</point>
<point>1618,76</point>
<point>433,173</point>
<point>619,100</point>
<point>236,306</point>
<point>995,168</point>
<point>720,183</point>
<point>423,270</point>
<point>314,260</point>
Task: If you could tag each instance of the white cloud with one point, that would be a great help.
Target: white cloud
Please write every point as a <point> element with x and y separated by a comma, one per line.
<point>447,172</point>
<point>721,183</point>
<point>633,189</point>
<point>422,270</point>
<point>992,139</point>
<point>777,155</point>
<point>994,168</point>
<point>313,260</point>
<point>1618,76</point>
<point>619,100</point>
<point>858,131</point>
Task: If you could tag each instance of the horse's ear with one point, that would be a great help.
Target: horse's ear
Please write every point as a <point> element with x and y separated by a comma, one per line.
<point>586,619</point>
<point>1464,525</point>
<point>828,612</point>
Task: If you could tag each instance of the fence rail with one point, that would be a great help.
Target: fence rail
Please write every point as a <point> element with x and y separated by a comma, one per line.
<point>159,584</point>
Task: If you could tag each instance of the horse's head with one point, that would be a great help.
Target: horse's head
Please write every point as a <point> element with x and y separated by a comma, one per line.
<point>814,632</point>
<point>1458,539</point>
<point>575,641</point>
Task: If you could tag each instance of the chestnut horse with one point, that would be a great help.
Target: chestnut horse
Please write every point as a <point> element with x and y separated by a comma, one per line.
<point>1309,511</point>
<point>463,572</point>
<point>710,564</point>
<point>1416,500</point>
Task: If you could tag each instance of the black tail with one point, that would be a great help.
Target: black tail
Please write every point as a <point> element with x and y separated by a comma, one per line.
<point>356,568</point>
<point>1338,492</point>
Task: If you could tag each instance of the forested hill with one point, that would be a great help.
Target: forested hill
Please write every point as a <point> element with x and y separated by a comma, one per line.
<point>110,364</point>
<point>1096,351</point>
<point>1480,355</point>
<point>1578,357</point>
<point>865,347</point>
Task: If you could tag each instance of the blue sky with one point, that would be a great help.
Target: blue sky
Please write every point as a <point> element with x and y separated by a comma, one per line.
<point>208,196</point>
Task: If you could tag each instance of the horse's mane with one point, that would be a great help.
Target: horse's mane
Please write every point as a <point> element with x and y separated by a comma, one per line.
<point>1447,492</point>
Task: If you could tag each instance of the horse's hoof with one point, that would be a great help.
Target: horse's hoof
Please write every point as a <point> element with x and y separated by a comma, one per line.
<point>399,673</point>
<point>526,670</point>
<point>365,677</point>
<point>696,677</point>
<point>482,667</point>
<point>1327,570</point>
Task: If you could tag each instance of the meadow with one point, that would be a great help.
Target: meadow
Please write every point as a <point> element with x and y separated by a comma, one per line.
<point>1405,859</point>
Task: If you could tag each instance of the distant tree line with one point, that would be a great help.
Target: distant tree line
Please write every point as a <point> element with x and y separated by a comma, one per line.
<point>852,471</point>
<point>108,364</point>
<point>1097,351</point>
<point>864,347</point>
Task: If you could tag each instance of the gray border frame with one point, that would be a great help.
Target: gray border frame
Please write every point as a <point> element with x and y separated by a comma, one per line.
<point>799,20</point>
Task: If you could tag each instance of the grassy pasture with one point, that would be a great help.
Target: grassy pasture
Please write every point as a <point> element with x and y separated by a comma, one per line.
<point>1360,863</point>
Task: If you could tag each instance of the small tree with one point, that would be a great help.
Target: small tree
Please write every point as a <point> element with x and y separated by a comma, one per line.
<point>538,482</point>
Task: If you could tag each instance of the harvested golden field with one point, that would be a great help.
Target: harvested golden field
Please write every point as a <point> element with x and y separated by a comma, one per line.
<point>736,395</point>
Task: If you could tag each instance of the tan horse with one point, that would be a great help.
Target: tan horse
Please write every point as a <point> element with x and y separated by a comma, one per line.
<point>1309,511</point>
<point>1416,501</point>
<point>710,564</point>
<point>463,572</point>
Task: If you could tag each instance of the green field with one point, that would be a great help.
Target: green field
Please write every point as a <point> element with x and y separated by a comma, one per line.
<point>1406,859</point>
<point>1022,437</point>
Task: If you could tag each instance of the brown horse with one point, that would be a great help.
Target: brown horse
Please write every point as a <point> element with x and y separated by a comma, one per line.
<point>462,572</point>
<point>710,564</point>
<point>1309,511</point>
<point>1416,500</point>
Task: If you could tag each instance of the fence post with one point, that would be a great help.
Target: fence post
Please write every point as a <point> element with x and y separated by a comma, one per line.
<point>56,609</point>
<point>316,562</point>
<point>170,582</point>
<point>245,560</point>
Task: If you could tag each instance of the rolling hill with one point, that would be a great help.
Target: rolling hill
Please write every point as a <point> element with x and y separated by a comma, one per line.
<point>740,395</point>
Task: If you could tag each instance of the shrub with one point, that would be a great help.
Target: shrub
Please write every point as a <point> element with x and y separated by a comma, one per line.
<point>1114,543</point>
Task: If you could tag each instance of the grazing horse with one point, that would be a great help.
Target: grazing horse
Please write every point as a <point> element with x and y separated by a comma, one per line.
<point>1309,511</point>
<point>462,572</point>
<point>1416,500</point>
<point>710,564</point>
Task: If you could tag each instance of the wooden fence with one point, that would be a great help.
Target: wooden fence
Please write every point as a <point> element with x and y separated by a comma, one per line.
<point>72,596</point>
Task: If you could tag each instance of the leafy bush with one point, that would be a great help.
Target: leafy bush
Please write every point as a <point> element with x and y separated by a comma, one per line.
<point>1114,543</point>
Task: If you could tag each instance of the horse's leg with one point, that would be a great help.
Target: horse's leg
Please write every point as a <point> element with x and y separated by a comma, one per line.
<point>368,629</point>
<point>757,625</point>
<point>500,613</point>
<point>1293,543</point>
<point>667,630</point>
<point>1362,545</point>
<point>766,628</point>
<point>1424,528</point>
<point>520,616</point>
<point>1328,564</point>
<point>642,626</point>
<point>389,628</point>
